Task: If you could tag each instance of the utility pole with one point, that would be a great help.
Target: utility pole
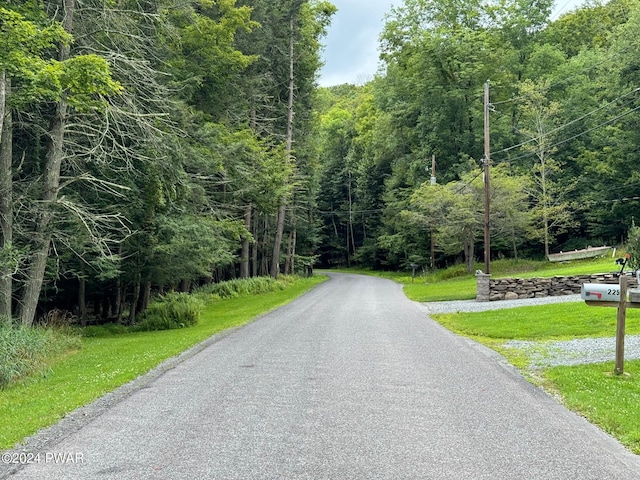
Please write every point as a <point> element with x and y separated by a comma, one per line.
<point>433,182</point>
<point>487,161</point>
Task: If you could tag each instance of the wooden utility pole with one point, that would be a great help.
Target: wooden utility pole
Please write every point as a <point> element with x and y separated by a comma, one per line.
<point>487,160</point>
<point>433,182</point>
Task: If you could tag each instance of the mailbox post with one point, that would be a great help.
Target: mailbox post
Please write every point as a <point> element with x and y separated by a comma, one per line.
<point>611,295</point>
<point>620,327</point>
<point>413,270</point>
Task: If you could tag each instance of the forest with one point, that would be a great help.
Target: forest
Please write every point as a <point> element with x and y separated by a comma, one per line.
<point>562,129</point>
<point>149,146</point>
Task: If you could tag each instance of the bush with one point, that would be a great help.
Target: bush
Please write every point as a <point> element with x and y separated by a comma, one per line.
<point>633,247</point>
<point>104,330</point>
<point>245,286</point>
<point>174,310</point>
<point>25,350</point>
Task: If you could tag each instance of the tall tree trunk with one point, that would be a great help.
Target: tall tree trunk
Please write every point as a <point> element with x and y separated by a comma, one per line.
<point>265,259</point>
<point>6,195</point>
<point>51,182</point>
<point>291,249</point>
<point>134,301</point>
<point>277,242</point>
<point>82,300</point>
<point>146,296</point>
<point>119,296</point>
<point>282,210</point>
<point>117,309</point>
<point>254,248</point>
<point>291,245</point>
<point>244,256</point>
<point>468,255</point>
<point>3,99</point>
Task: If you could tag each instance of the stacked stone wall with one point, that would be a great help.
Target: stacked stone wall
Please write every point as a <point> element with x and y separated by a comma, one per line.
<point>516,288</point>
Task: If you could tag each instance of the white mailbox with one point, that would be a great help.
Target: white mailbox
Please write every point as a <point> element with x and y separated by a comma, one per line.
<point>600,292</point>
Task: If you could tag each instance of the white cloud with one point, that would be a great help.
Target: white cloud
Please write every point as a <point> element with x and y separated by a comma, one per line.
<point>351,46</point>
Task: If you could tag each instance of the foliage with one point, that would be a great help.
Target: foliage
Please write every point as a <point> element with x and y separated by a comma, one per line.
<point>632,246</point>
<point>173,310</point>
<point>25,351</point>
<point>563,102</point>
<point>239,287</point>
<point>142,146</point>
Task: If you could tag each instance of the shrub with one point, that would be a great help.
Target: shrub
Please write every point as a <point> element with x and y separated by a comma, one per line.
<point>633,247</point>
<point>245,286</point>
<point>174,310</point>
<point>104,330</point>
<point>57,318</point>
<point>24,350</point>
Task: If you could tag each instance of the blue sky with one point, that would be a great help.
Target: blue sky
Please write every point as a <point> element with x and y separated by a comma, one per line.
<point>351,45</point>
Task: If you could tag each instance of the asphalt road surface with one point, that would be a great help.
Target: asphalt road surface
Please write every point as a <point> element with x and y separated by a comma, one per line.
<point>351,381</point>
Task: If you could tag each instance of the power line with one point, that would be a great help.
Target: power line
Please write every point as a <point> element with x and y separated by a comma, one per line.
<point>531,154</point>
<point>550,132</point>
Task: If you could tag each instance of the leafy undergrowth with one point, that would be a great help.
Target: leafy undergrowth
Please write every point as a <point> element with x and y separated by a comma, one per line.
<point>25,351</point>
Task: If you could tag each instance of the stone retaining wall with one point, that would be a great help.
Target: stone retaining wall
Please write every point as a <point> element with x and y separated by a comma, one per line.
<point>515,288</point>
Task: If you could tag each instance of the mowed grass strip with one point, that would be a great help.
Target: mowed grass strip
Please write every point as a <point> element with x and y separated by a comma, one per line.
<point>454,283</point>
<point>560,321</point>
<point>105,363</point>
<point>610,401</point>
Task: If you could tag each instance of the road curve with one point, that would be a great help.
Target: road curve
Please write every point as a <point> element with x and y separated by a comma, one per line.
<point>350,381</point>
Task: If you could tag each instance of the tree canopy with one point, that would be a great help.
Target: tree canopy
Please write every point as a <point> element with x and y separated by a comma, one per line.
<point>563,99</point>
<point>154,146</point>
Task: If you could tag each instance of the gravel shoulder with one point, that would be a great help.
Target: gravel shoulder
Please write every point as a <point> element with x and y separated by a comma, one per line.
<point>547,353</point>
<point>473,306</point>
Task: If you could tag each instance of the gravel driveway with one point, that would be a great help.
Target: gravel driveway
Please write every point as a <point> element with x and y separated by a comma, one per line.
<point>547,353</point>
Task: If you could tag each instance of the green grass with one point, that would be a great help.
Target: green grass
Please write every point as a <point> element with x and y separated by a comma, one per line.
<point>561,321</point>
<point>109,361</point>
<point>463,288</point>
<point>609,401</point>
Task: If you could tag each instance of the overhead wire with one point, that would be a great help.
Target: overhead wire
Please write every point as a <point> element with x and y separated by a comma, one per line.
<point>551,132</point>
<point>608,122</point>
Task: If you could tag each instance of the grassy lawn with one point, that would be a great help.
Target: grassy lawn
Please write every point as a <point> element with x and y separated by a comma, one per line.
<point>561,321</point>
<point>107,362</point>
<point>607,400</point>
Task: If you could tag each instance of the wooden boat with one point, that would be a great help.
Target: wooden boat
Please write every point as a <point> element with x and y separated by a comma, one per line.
<point>589,252</point>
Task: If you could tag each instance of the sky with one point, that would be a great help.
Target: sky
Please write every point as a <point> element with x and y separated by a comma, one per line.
<point>351,45</point>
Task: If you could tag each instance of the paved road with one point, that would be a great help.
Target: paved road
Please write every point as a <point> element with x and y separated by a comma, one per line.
<point>351,381</point>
